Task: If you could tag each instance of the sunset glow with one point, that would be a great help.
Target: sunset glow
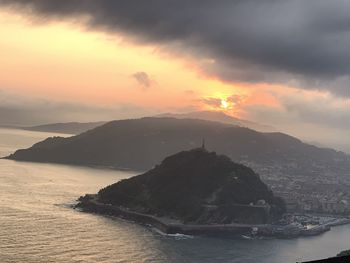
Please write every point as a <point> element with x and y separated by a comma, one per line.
<point>223,119</point>
<point>224,104</point>
<point>103,73</point>
<point>64,61</point>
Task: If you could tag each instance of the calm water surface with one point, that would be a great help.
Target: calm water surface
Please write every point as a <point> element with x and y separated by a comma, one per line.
<point>37,224</point>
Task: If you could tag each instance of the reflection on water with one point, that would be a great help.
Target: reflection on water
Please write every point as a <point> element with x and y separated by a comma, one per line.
<point>38,225</point>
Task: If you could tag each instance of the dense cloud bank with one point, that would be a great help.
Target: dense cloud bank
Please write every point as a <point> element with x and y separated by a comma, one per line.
<point>303,43</point>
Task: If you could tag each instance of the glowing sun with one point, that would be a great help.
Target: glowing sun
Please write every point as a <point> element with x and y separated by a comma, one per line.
<point>224,104</point>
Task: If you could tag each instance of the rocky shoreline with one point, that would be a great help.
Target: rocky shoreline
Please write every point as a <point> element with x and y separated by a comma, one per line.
<point>90,203</point>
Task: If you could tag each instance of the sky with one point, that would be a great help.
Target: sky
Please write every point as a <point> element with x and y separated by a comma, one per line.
<point>281,63</point>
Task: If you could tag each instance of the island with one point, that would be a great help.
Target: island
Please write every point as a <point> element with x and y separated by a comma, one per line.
<point>192,192</point>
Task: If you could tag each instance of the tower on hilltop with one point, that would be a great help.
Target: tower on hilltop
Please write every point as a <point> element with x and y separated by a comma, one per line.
<point>203,144</point>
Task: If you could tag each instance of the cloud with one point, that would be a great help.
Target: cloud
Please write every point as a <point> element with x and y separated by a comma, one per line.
<point>213,102</point>
<point>190,92</point>
<point>300,107</point>
<point>314,118</point>
<point>236,100</point>
<point>232,103</point>
<point>21,110</point>
<point>143,79</point>
<point>303,43</point>
<point>325,111</point>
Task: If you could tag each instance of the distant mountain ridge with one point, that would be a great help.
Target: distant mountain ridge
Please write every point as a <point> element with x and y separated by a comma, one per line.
<point>66,127</point>
<point>79,127</point>
<point>140,144</point>
<point>219,117</point>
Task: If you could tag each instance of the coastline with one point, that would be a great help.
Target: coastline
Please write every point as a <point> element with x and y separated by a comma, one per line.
<point>89,203</point>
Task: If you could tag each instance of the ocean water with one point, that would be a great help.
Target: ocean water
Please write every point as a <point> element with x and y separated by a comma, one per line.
<point>37,223</point>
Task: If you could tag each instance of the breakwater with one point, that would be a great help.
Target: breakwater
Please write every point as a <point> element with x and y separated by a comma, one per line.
<point>90,204</point>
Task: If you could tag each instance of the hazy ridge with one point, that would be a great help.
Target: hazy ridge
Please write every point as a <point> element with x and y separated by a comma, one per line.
<point>140,144</point>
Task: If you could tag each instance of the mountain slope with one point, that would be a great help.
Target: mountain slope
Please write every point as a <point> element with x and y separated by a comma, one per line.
<point>142,143</point>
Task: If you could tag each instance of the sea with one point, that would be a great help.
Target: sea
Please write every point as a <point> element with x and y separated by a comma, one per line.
<point>38,223</point>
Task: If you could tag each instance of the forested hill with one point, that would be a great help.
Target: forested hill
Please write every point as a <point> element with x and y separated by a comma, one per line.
<point>200,187</point>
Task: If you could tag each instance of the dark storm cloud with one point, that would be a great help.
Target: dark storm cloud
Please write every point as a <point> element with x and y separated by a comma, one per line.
<point>143,79</point>
<point>292,41</point>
